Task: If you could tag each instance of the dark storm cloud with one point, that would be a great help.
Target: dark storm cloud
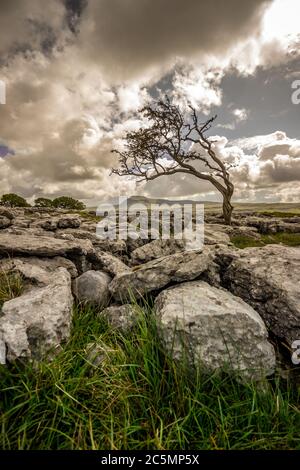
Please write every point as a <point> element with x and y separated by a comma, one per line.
<point>29,24</point>
<point>129,35</point>
<point>74,10</point>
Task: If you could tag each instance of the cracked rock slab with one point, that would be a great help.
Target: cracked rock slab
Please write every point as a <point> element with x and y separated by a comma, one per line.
<point>154,275</point>
<point>268,278</point>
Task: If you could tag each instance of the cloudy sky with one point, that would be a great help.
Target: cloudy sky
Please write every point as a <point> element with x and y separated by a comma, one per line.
<point>76,72</point>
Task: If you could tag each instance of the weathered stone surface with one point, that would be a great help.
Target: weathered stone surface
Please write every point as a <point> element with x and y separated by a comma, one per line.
<point>213,328</point>
<point>49,224</point>
<point>4,222</point>
<point>68,222</point>
<point>27,271</point>
<point>109,263</point>
<point>32,245</point>
<point>288,228</point>
<point>116,247</point>
<point>92,287</point>
<point>268,278</point>
<point>268,225</point>
<point>156,274</point>
<point>36,323</point>
<point>121,317</point>
<point>64,236</point>
<point>6,213</point>
<point>77,233</point>
<point>156,249</point>
<point>233,230</point>
<point>26,267</point>
<point>213,235</point>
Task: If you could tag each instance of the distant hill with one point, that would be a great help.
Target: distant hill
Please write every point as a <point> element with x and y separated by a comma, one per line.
<point>148,201</point>
<point>212,206</point>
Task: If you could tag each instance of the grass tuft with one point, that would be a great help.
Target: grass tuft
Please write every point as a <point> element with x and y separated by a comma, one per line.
<point>11,286</point>
<point>138,398</point>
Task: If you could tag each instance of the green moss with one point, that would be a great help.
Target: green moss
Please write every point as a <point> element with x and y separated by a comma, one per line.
<point>241,241</point>
<point>289,239</point>
<point>90,217</point>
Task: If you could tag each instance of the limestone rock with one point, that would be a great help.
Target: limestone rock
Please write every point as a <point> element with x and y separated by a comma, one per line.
<point>121,317</point>
<point>33,245</point>
<point>68,222</point>
<point>156,249</point>
<point>213,235</point>
<point>49,224</point>
<point>36,323</point>
<point>92,287</point>
<point>156,274</point>
<point>31,266</point>
<point>6,213</point>
<point>268,278</point>
<point>4,222</point>
<point>109,263</point>
<point>214,329</point>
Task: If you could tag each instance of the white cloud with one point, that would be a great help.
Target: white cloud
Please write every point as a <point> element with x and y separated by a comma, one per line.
<point>198,87</point>
<point>241,114</point>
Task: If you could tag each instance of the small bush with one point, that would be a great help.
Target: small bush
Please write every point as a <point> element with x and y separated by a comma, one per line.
<point>13,200</point>
<point>66,202</point>
<point>43,202</point>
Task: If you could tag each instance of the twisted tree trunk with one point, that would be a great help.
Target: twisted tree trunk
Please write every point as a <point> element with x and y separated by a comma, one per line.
<point>227,209</point>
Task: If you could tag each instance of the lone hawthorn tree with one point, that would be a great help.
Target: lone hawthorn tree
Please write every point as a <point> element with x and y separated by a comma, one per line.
<point>173,143</point>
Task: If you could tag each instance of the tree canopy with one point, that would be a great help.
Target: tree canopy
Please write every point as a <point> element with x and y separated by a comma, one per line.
<point>175,142</point>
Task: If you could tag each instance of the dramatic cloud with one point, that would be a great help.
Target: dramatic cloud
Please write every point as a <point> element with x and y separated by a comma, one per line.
<point>262,163</point>
<point>133,35</point>
<point>76,72</point>
<point>29,24</point>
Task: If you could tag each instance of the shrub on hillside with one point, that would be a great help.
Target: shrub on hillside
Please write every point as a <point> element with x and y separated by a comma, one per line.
<point>13,200</point>
<point>65,202</point>
<point>43,202</point>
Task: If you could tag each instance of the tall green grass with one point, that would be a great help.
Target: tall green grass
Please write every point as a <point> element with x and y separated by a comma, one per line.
<point>138,398</point>
<point>11,285</point>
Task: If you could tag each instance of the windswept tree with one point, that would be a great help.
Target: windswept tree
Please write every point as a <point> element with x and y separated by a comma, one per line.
<point>175,143</point>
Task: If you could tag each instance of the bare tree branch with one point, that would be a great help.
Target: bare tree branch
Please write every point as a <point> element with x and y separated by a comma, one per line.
<point>173,143</point>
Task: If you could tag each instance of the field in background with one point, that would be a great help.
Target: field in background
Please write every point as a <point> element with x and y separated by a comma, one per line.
<point>276,207</point>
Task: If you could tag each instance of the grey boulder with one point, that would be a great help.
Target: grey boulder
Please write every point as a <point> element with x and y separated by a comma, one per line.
<point>268,278</point>
<point>35,324</point>
<point>92,288</point>
<point>109,263</point>
<point>4,222</point>
<point>210,327</point>
<point>121,317</point>
<point>156,249</point>
<point>154,275</point>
